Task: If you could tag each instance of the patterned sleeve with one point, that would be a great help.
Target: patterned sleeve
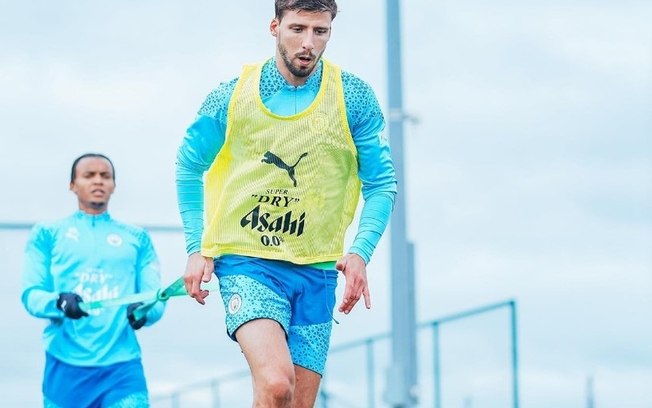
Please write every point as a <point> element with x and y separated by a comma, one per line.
<point>375,167</point>
<point>204,139</point>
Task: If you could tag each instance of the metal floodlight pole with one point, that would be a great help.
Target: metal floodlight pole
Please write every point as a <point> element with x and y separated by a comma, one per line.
<point>402,375</point>
<point>589,392</point>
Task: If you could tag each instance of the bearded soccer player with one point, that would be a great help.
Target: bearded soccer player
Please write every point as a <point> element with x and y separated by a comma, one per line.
<point>268,180</point>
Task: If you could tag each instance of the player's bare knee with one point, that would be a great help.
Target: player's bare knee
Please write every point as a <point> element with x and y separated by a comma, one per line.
<point>279,389</point>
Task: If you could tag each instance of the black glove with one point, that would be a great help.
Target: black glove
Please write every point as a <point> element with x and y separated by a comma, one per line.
<point>68,303</point>
<point>135,324</point>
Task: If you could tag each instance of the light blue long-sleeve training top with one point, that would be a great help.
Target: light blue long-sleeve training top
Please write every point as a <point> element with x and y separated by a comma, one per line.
<point>205,137</point>
<point>97,258</point>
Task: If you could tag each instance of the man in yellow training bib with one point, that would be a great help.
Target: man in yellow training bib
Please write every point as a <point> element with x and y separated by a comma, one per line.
<point>268,180</point>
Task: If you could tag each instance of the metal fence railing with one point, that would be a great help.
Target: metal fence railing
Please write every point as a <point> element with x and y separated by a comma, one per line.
<point>328,399</point>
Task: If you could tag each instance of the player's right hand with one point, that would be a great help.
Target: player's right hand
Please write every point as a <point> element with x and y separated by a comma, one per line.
<point>198,269</point>
<point>68,303</point>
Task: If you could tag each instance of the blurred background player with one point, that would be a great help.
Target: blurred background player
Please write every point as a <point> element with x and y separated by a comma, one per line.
<point>91,361</point>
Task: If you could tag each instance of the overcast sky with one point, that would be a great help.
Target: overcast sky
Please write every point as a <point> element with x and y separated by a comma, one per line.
<point>529,177</point>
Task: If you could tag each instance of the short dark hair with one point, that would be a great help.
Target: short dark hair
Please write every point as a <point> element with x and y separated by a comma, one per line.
<point>73,171</point>
<point>281,6</point>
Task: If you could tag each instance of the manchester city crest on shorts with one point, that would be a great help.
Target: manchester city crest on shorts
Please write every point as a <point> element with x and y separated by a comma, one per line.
<point>234,303</point>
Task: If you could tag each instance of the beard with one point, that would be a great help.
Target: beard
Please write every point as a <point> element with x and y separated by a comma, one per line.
<point>300,72</point>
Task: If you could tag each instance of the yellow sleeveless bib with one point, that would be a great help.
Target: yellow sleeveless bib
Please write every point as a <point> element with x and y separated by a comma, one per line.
<point>282,187</point>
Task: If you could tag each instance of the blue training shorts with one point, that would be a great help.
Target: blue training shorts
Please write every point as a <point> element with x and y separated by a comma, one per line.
<point>299,297</point>
<point>120,385</point>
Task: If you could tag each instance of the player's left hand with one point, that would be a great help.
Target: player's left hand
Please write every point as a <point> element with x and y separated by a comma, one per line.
<point>354,270</point>
<point>135,324</point>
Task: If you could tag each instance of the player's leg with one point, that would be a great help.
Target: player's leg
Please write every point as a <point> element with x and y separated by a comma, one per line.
<point>260,298</point>
<point>305,390</point>
<point>310,331</point>
<point>257,317</point>
<point>264,346</point>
